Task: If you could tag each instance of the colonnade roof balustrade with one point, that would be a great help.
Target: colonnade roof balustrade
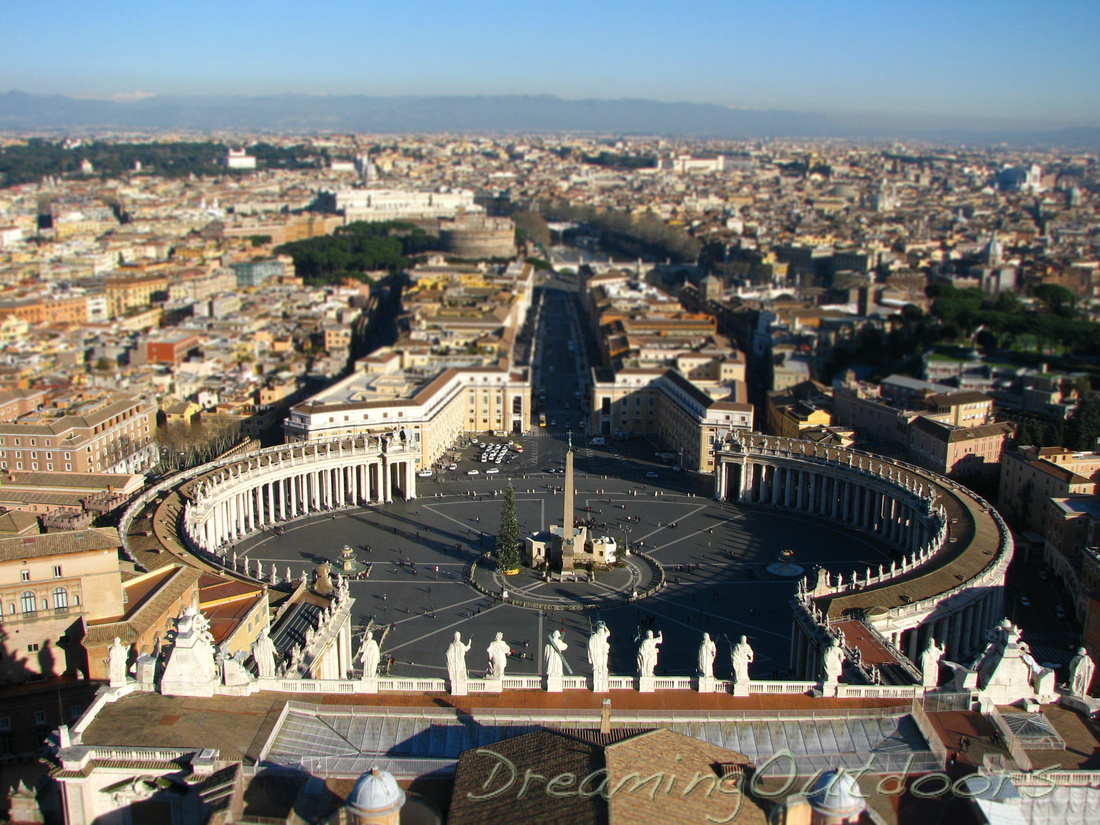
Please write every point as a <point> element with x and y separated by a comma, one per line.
<point>978,541</point>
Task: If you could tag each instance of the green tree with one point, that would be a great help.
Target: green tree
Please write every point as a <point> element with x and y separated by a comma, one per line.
<point>534,226</point>
<point>508,534</point>
<point>1083,427</point>
<point>1056,297</point>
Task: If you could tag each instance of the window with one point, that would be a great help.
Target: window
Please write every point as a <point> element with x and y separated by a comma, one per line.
<point>74,712</point>
<point>25,575</point>
<point>32,647</point>
<point>57,571</point>
<point>60,598</point>
<point>5,723</point>
<point>40,717</point>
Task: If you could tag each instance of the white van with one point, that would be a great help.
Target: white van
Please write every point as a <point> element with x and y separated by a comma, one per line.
<point>598,441</point>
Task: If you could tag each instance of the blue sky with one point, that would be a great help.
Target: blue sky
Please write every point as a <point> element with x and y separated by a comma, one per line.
<point>1002,59</point>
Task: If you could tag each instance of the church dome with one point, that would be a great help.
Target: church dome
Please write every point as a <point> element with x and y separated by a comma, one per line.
<point>836,794</point>
<point>375,792</point>
<point>994,252</point>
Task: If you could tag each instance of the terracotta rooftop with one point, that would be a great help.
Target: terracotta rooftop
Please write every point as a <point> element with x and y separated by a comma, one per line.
<point>52,544</point>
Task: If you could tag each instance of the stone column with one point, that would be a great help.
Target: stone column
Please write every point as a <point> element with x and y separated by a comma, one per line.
<point>234,516</point>
<point>913,650</point>
<point>720,481</point>
<point>788,487</point>
<point>968,629</point>
<point>956,632</point>
<point>410,481</point>
<point>976,627</point>
<point>986,618</point>
<point>844,510</point>
<point>387,494</point>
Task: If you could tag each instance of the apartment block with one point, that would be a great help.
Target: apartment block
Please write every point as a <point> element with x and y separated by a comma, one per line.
<point>1031,476</point>
<point>105,434</point>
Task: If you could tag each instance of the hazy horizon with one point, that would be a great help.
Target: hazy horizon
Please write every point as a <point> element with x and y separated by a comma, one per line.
<point>956,61</point>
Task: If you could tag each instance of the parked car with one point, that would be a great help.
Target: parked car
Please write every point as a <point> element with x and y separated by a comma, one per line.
<point>599,441</point>
<point>425,474</point>
<point>651,474</point>
<point>473,472</point>
<point>492,470</point>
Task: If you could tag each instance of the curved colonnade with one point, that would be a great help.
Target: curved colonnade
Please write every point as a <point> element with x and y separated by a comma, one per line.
<point>225,500</point>
<point>950,548</point>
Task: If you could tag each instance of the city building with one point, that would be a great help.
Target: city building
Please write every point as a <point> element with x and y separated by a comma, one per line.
<point>428,411</point>
<point>1031,476</point>
<point>665,404</point>
<point>51,586</point>
<point>963,451</point>
<point>104,434</point>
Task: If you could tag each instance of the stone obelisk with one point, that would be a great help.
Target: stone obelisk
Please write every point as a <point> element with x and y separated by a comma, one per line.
<point>567,549</point>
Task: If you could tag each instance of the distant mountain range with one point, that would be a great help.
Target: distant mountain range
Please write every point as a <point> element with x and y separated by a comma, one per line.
<point>300,114</point>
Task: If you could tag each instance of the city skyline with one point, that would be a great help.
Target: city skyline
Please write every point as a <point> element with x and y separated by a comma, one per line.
<point>957,62</point>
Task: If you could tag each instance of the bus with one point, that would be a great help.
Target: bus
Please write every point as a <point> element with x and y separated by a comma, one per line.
<point>542,419</point>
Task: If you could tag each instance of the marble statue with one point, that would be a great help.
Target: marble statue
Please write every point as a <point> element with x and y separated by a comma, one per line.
<point>930,663</point>
<point>554,655</point>
<point>371,656</point>
<point>598,650</point>
<point>832,661</point>
<point>116,663</point>
<point>647,653</point>
<point>707,651</point>
<point>498,651</point>
<point>263,654</point>
<point>1081,671</point>
<point>456,660</point>
<point>741,654</point>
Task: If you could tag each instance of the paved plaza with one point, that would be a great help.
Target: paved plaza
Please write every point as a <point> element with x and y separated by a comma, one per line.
<point>715,557</point>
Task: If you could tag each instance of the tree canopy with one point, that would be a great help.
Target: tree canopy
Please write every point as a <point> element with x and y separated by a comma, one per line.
<point>356,249</point>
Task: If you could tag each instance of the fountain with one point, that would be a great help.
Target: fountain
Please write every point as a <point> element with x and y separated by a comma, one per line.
<point>348,565</point>
<point>785,568</point>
